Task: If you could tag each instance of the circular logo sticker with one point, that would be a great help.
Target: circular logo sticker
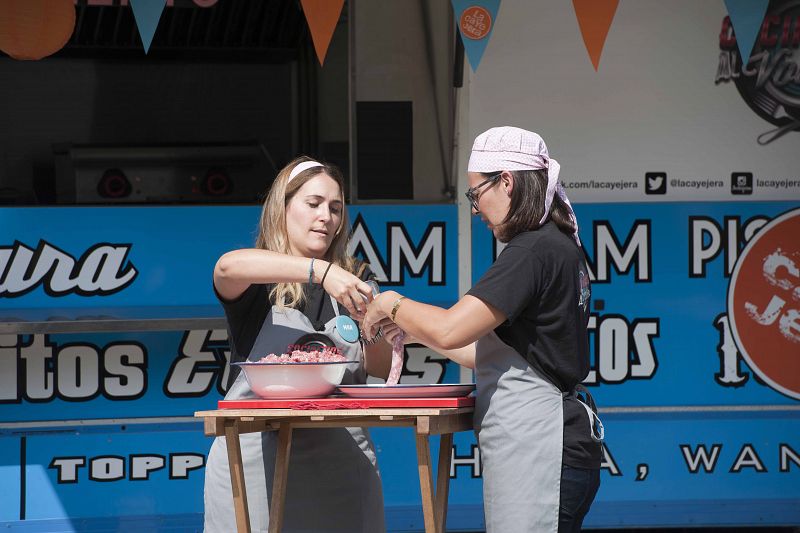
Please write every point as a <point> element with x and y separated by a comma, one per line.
<point>476,22</point>
<point>764,303</point>
<point>347,328</point>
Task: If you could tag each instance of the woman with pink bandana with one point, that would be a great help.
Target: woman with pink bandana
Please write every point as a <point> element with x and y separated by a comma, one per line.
<point>523,328</point>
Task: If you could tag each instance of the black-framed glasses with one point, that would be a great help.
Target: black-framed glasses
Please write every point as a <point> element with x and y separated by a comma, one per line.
<point>472,193</point>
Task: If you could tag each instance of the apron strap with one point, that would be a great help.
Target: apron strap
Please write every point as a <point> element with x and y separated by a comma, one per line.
<point>581,389</point>
<point>596,429</point>
<point>319,324</point>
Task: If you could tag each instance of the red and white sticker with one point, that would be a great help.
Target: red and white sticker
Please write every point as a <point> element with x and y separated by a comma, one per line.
<point>476,22</point>
<point>764,303</point>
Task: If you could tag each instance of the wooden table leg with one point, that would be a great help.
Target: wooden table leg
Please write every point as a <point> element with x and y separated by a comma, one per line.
<point>237,476</point>
<point>426,482</point>
<point>443,481</point>
<point>280,479</point>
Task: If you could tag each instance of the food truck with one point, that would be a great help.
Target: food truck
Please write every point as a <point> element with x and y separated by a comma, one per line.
<point>126,174</point>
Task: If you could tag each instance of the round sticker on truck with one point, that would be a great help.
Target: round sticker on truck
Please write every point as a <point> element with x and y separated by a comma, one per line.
<point>764,303</point>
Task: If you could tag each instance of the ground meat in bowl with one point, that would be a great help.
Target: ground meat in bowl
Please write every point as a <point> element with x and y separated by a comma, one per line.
<point>301,356</point>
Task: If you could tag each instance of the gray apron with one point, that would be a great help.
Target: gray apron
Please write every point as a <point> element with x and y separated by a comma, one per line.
<point>519,420</point>
<point>333,485</point>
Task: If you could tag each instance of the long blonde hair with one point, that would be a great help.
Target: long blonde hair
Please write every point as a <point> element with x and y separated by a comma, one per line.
<point>273,234</point>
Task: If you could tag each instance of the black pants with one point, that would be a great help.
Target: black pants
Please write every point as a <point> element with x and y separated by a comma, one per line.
<point>578,489</point>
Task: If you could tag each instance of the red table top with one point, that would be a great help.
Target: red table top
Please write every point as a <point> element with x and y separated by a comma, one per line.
<point>339,402</point>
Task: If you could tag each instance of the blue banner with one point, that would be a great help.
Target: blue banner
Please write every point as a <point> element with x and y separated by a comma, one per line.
<point>694,432</point>
<point>660,280</point>
<point>164,256</point>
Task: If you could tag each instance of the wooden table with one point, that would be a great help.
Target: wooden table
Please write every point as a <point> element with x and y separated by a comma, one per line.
<point>426,421</point>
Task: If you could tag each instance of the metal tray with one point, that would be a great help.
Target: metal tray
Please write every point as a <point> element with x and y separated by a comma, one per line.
<point>435,390</point>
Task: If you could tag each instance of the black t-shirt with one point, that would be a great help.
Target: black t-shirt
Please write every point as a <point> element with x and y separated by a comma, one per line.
<point>541,283</point>
<point>246,314</point>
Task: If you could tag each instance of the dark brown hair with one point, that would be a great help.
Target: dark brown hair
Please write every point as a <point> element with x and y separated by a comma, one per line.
<point>527,206</point>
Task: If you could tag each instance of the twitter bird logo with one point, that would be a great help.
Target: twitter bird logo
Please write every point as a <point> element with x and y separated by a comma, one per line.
<point>655,183</point>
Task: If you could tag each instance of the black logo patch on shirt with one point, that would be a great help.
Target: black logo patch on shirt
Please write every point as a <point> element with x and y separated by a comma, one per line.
<point>586,291</point>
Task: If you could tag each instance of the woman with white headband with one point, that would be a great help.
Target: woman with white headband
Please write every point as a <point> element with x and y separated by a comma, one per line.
<point>523,328</point>
<point>298,288</point>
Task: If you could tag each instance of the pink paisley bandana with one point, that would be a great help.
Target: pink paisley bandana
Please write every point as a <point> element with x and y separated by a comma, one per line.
<point>510,148</point>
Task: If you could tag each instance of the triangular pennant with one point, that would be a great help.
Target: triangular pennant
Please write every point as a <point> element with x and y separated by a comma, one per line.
<point>147,14</point>
<point>322,17</point>
<point>475,20</point>
<point>594,20</point>
<point>746,18</point>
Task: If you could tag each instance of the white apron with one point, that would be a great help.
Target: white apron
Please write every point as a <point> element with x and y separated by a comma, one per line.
<point>519,420</point>
<point>334,484</point>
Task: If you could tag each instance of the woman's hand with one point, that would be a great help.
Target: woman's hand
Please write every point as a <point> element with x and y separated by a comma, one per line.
<point>392,330</point>
<point>348,290</point>
<point>377,312</point>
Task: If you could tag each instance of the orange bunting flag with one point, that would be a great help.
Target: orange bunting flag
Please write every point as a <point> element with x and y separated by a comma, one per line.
<point>322,17</point>
<point>594,19</point>
<point>33,29</point>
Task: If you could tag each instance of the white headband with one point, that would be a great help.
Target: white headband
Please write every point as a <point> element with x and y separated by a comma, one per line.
<point>510,148</point>
<point>305,165</point>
